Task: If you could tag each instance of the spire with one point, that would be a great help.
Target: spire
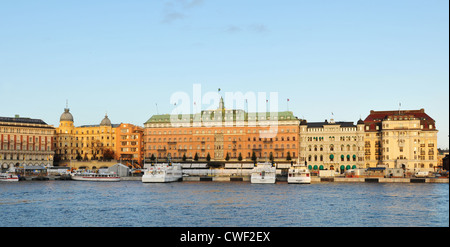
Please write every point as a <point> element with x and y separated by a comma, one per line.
<point>221,104</point>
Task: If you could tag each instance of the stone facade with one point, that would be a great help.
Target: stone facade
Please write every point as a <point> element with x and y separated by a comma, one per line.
<point>331,145</point>
<point>25,141</point>
<point>401,139</point>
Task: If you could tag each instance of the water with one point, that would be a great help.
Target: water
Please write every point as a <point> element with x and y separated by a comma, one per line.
<point>210,204</point>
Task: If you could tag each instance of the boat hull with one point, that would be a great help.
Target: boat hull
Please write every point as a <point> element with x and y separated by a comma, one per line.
<point>96,179</point>
<point>9,179</point>
<point>6,177</point>
<point>159,179</point>
<point>299,180</point>
<point>262,180</point>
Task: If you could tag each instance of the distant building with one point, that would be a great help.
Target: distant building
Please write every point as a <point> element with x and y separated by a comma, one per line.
<point>25,141</point>
<point>120,169</point>
<point>88,142</point>
<point>130,145</point>
<point>332,145</point>
<point>401,139</point>
<point>442,153</point>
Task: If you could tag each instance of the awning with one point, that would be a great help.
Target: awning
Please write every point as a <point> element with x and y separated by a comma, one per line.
<point>321,167</point>
<point>331,156</point>
<point>315,167</point>
<point>310,167</point>
<point>342,156</point>
<point>348,167</point>
<point>354,156</point>
<point>342,167</point>
<point>354,167</point>
<point>348,156</point>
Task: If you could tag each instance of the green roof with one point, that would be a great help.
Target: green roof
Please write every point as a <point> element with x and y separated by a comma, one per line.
<point>215,116</point>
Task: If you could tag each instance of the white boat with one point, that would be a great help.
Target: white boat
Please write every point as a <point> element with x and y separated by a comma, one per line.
<point>8,177</point>
<point>263,173</point>
<point>163,173</point>
<point>97,177</point>
<point>299,175</point>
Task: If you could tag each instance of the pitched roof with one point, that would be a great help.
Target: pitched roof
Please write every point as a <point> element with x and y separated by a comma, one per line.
<point>22,120</point>
<point>375,117</point>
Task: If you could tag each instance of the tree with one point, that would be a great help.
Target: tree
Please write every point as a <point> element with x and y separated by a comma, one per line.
<point>79,156</point>
<point>208,157</point>
<point>184,157</point>
<point>196,157</point>
<point>240,157</point>
<point>227,158</point>
<point>254,157</point>
<point>271,156</point>
<point>152,158</point>
<point>108,154</point>
<point>288,156</point>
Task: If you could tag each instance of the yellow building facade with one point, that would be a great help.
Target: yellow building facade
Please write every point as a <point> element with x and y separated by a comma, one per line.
<point>401,139</point>
<point>88,142</point>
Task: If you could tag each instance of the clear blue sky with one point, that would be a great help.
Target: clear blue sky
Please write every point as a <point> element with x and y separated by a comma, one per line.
<point>346,57</point>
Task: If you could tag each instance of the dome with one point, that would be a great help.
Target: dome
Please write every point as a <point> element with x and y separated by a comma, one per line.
<point>105,121</point>
<point>66,116</point>
<point>360,121</point>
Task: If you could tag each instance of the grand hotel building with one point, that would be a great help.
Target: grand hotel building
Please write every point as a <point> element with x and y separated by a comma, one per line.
<point>223,135</point>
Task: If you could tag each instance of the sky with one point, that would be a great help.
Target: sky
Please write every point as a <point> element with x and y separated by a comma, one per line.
<point>331,59</point>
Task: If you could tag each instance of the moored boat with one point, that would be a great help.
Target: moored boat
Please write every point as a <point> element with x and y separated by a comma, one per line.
<point>263,173</point>
<point>97,177</point>
<point>163,173</point>
<point>8,177</point>
<point>299,175</point>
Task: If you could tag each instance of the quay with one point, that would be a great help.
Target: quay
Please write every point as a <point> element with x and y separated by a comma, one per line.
<point>279,179</point>
<point>323,180</point>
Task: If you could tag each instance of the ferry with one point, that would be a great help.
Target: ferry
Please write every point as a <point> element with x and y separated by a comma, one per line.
<point>97,177</point>
<point>163,173</point>
<point>263,173</point>
<point>299,175</point>
<point>8,177</point>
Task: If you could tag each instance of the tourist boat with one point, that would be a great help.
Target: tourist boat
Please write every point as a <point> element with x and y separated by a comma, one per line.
<point>263,173</point>
<point>97,177</point>
<point>163,173</point>
<point>8,177</point>
<point>299,175</point>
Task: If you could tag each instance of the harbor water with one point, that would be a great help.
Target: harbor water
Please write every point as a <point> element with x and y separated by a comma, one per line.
<point>222,204</point>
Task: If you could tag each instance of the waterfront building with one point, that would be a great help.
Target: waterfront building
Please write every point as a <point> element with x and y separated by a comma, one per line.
<point>25,141</point>
<point>87,142</point>
<point>442,153</point>
<point>130,144</point>
<point>222,135</point>
<point>401,139</point>
<point>331,145</point>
